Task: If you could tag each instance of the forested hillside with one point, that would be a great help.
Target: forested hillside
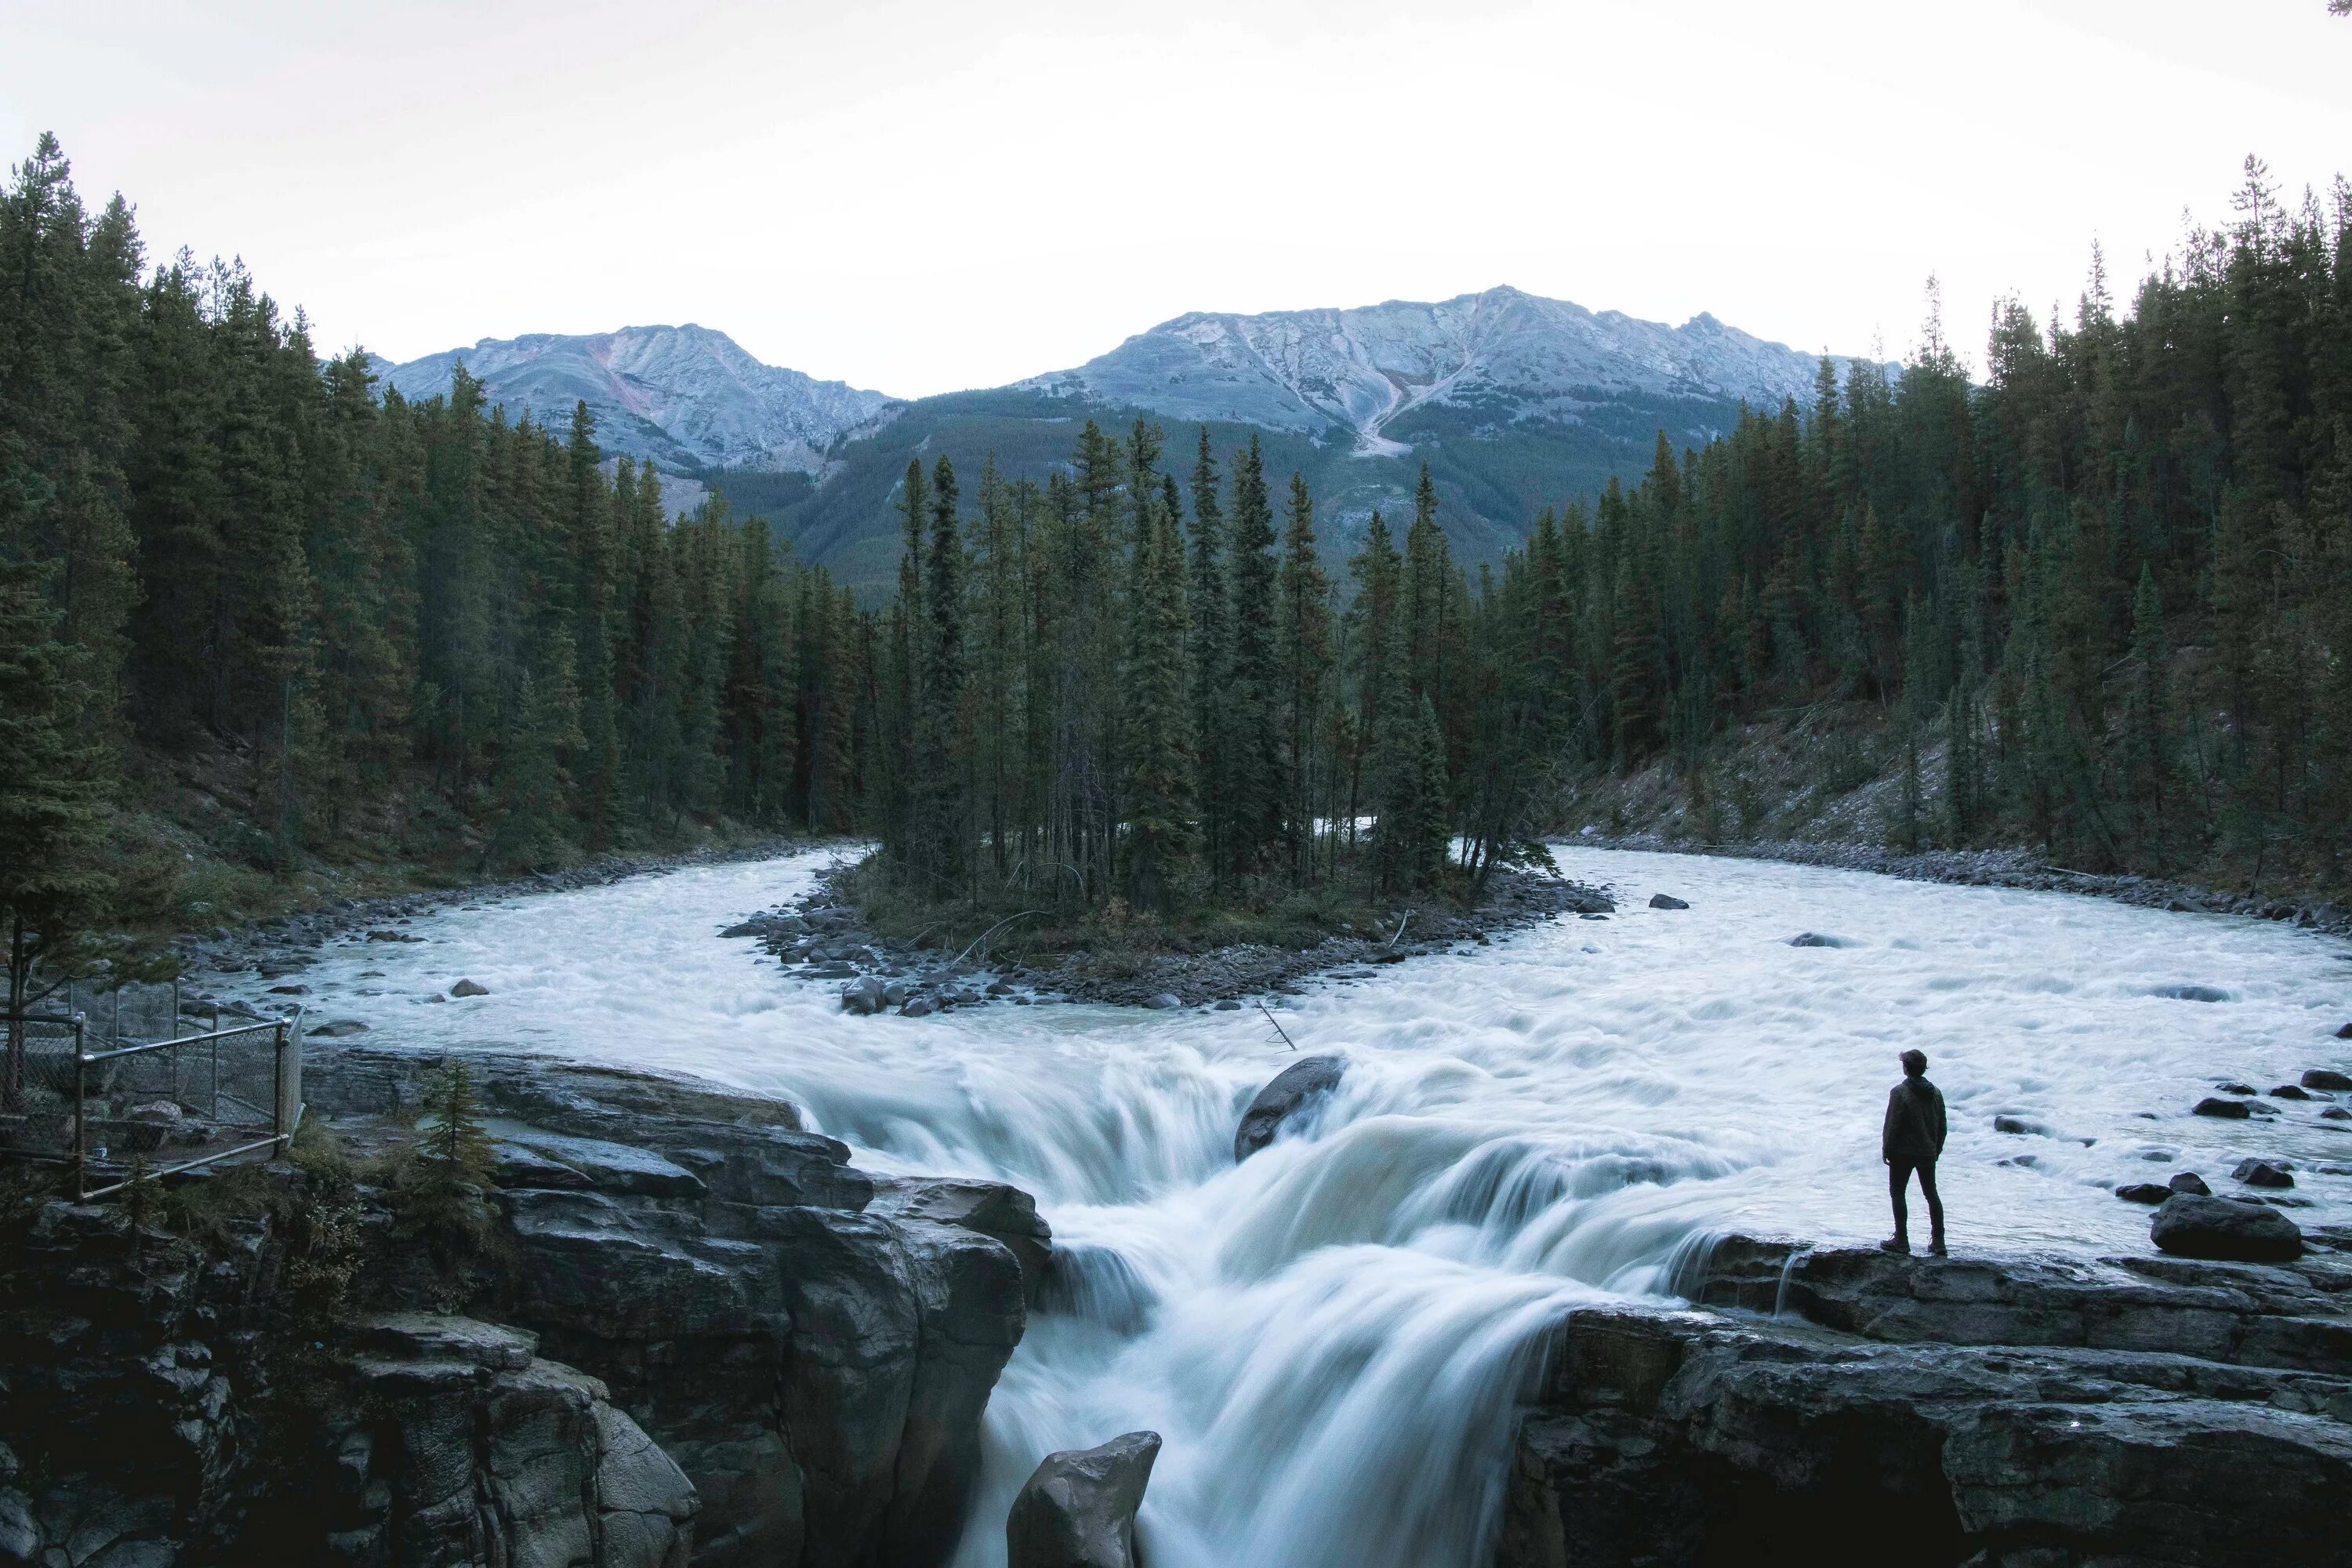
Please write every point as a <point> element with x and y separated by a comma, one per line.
<point>258,616</point>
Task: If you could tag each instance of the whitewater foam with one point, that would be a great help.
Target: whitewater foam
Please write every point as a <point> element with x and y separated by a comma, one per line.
<point>1333,1336</point>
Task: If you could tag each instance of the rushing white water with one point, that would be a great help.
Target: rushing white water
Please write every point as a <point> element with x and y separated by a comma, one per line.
<point>1332,1336</point>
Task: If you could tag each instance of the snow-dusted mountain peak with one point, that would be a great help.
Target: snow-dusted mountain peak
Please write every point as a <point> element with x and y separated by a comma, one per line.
<point>1503,351</point>
<point>684,398</point>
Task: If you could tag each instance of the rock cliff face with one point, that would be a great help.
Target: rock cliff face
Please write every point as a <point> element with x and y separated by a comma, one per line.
<point>1916,1410</point>
<point>693,1328</point>
<point>814,1348</point>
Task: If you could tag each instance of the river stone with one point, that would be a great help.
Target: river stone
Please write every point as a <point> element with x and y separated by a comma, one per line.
<point>1078,1511</point>
<point>1667,901</point>
<point>2144,1193</point>
<point>2327,1077</point>
<point>1166,1001</point>
<point>468,988</point>
<point>611,1167</point>
<point>2336,1113</point>
<point>2218,1228</point>
<point>1292,1091</point>
<point>339,1028</point>
<point>2023,1126</point>
<point>2229,1109</point>
<point>1815,939</point>
<point>2189,1182</point>
<point>919,1007</point>
<point>2263,1174</point>
<point>2345,1034</point>
<point>2290,1091</point>
<point>863,996</point>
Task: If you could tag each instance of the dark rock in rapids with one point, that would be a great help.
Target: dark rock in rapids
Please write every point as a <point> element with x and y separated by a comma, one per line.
<point>1667,901</point>
<point>2189,1182</point>
<point>2336,1113</point>
<point>2228,1109</point>
<point>338,1029</point>
<point>866,996</point>
<point>919,1007</point>
<point>468,988</point>
<point>2327,1077</point>
<point>2235,1088</point>
<point>1293,1091</point>
<point>2345,1034</point>
<point>2149,1193</point>
<point>2023,1126</point>
<point>1165,1002</point>
<point>1816,939</point>
<point>2222,1229</point>
<point>1078,1510</point>
<point>2263,1174</point>
<point>2290,1091</point>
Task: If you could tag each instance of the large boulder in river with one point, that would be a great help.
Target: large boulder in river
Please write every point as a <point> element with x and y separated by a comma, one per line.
<point>1078,1510</point>
<point>1293,1091</point>
<point>2224,1229</point>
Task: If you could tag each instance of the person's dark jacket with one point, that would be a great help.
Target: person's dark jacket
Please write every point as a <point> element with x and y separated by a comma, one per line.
<point>1915,1123</point>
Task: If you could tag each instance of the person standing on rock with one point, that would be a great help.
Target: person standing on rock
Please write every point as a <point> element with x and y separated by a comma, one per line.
<point>1913,1139</point>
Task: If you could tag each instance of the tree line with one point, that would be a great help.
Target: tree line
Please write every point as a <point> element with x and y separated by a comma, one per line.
<point>414,630</point>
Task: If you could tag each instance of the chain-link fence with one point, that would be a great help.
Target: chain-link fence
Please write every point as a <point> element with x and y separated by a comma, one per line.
<point>113,1108</point>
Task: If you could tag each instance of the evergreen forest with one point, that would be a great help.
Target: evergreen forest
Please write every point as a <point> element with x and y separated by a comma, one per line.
<point>2099,603</point>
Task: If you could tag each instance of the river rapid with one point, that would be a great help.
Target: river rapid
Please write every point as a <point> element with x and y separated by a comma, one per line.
<point>1333,1336</point>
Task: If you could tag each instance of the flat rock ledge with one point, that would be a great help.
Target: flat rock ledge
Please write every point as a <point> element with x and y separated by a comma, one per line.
<point>1847,1405</point>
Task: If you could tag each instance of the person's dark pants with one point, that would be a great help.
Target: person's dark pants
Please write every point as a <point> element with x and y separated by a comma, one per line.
<point>1898,1177</point>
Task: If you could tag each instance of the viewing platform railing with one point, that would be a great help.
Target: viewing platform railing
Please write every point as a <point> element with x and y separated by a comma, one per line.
<point>142,1109</point>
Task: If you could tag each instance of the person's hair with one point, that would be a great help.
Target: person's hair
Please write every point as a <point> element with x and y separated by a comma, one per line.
<point>1915,1062</point>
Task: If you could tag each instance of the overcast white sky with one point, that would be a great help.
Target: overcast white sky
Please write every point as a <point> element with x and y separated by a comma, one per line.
<point>919,196</point>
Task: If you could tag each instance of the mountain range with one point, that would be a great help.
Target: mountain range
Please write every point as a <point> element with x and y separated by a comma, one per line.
<point>1514,401</point>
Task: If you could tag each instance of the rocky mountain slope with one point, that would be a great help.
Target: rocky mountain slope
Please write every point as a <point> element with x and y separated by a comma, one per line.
<point>1504,355</point>
<point>684,398</point>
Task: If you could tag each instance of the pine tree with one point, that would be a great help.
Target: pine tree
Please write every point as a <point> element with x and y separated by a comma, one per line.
<point>1210,656</point>
<point>1160,785</point>
<point>1304,632</point>
<point>54,789</point>
<point>1249,739</point>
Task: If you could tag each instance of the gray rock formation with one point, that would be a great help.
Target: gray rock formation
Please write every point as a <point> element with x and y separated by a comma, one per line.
<point>150,1423</point>
<point>2225,1228</point>
<point>813,1347</point>
<point>1922,1411</point>
<point>1294,1089</point>
<point>464,1446</point>
<point>718,1334</point>
<point>1078,1511</point>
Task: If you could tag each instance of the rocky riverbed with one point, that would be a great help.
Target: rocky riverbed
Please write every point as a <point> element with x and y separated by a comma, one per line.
<point>821,936</point>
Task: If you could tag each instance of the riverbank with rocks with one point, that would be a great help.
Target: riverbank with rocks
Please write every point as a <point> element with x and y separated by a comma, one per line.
<point>824,937</point>
<point>1992,868</point>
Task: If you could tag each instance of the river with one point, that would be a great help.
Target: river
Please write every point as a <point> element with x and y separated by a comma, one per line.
<point>1332,1336</point>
